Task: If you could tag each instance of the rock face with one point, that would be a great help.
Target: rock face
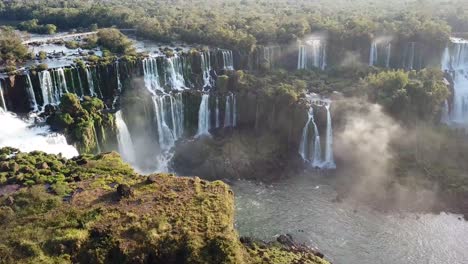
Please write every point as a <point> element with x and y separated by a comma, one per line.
<point>84,123</point>
<point>156,219</point>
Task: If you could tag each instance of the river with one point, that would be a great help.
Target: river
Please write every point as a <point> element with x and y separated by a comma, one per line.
<point>347,233</point>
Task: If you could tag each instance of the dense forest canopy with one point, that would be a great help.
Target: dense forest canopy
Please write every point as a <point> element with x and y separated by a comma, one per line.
<point>242,24</point>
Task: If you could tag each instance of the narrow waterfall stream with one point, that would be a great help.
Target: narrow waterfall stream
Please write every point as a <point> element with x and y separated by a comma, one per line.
<point>31,95</point>
<point>374,55</point>
<point>204,122</point>
<point>126,147</point>
<point>2,99</point>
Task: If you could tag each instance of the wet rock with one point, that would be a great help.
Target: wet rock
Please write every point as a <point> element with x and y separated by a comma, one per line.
<point>286,240</point>
<point>4,166</point>
<point>42,166</point>
<point>151,179</point>
<point>124,191</point>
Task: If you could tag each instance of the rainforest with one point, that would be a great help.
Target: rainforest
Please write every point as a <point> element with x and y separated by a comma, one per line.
<point>234,131</point>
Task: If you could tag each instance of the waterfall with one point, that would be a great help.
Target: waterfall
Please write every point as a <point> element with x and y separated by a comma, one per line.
<point>217,112</point>
<point>2,99</point>
<point>204,117</point>
<point>374,55</point>
<point>22,135</point>
<point>409,56</point>
<point>98,146</point>
<point>227,112</point>
<point>177,115</point>
<point>311,151</point>
<point>61,81</point>
<point>89,76</point>
<point>117,73</point>
<point>455,62</point>
<point>165,135</point>
<point>302,58</point>
<point>47,87</point>
<point>96,86</point>
<point>329,162</point>
<point>31,95</point>
<point>389,55</point>
<point>124,139</point>
<point>304,139</point>
<point>234,111</point>
<point>206,69</point>
<point>228,60</point>
<point>445,118</point>
<point>313,53</point>
<point>230,114</point>
<point>175,71</point>
<point>151,75</point>
<point>80,83</point>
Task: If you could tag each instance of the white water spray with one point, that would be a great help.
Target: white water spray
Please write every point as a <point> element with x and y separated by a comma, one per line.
<point>124,139</point>
<point>27,138</point>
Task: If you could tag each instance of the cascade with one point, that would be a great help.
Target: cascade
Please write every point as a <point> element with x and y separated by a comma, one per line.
<point>117,73</point>
<point>304,139</point>
<point>98,146</point>
<point>80,83</point>
<point>374,55</point>
<point>228,60</point>
<point>312,53</point>
<point>227,112</point>
<point>455,62</point>
<point>89,76</point>
<point>271,54</point>
<point>97,87</point>
<point>409,56</point>
<point>124,139</point>
<point>206,68</point>
<point>302,58</point>
<point>204,117</point>
<point>49,94</point>
<point>61,82</point>
<point>165,135</point>
<point>2,99</point>
<point>22,135</point>
<point>445,113</point>
<point>329,162</point>
<point>151,75</point>
<point>230,114</point>
<point>234,111</point>
<point>175,72</point>
<point>389,55</point>
<point>32,97</point>
<point>317,155</point>
<point>177,115</point>
<point>217,112</point>
<point>311,152</point>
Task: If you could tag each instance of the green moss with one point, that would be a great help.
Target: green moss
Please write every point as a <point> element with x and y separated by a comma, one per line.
<point>84,123</point>
<point>168,219</point>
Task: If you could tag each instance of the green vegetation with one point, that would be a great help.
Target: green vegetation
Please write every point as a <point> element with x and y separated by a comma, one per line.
<point>113,40</point>
<point>34,27</point>
<point>242,25</point>
<point>409,96</point>
<point>84,123</point>
<point>112,214</point>
<point>11,48</point>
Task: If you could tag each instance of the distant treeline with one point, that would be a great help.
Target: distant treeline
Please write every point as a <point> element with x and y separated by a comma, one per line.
<point>243,24</point>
